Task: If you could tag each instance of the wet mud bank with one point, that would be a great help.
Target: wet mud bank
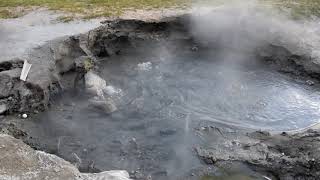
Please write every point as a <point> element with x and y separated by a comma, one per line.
<point>280,156</point>
<point>69,77</point>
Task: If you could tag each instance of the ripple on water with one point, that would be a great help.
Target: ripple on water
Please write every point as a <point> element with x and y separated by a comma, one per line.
<point>159,108</point>
<point>244,95</point>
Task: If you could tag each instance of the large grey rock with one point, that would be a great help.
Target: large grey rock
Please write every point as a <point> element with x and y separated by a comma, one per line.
<point>106,105</point>
<point>97,88</point>
<point>287,156</point>
<point>7,81</point>
<point>19,161</point>
<point>95,85</point>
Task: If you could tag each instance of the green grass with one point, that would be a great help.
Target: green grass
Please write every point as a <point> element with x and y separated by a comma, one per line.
<point>4,13</point>
<point>96,8</point>
<point>65,19</point>
<point>89,8</point>
<point>88,64</point>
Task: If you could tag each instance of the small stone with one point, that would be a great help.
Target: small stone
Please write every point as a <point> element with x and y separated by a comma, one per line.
<point>136,175</point>
<point>267,178</point>
<point>107,105</point>
<point>133,144</point>
<point>3,108</point>
<point>24,116</point>
<point>167,132</point>
<point>145,66</point>
<point>310,83</point>
<point>194,48</point>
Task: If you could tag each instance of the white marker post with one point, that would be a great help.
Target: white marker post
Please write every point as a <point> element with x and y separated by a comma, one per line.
<point>25,70</point>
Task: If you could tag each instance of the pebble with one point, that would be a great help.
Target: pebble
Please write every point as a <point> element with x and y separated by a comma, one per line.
<point>24,116</point>
<point>267,178</point>
<point>3,108</point>
<point>194,48</point>
<point>145,66</point>
<point>310,83</point>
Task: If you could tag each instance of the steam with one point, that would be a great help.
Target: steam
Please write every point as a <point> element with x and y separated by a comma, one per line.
<point>245,26</point>
<point>236,31</point>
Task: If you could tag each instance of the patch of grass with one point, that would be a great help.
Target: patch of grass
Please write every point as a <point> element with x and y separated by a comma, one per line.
<point>65,19</point>
<point>11,12</point>
<point>93,8</point>
<point>4,13</point>
<point>97,8</point>
<point>88,64</point>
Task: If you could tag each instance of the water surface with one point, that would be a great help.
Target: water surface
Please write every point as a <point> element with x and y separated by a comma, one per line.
<point>161,99</point>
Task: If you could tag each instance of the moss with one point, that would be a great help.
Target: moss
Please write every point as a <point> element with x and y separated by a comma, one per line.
<point>65,19</point>
<point>88,64</point>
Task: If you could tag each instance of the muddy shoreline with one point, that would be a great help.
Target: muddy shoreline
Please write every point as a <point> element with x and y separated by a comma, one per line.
<point>60,65</point>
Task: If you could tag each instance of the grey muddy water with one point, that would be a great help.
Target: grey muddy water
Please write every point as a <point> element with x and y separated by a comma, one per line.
<point>161,99</point>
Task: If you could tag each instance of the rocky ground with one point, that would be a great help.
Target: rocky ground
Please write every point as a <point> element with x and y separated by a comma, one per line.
<point>19,161</point>
<point>279,156</point>
<point>64,63</point>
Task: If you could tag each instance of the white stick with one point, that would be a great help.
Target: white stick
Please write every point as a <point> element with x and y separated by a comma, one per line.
<point>25,70</point>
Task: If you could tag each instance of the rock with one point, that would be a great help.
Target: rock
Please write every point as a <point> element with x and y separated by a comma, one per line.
<point>24,116</point>
<point>3,108</point>
<point>7,81</point>
<point>19,161</point>
<point>194,48</point>
<point>145,66</point>
<point>84,64</point>
<point>137,175</point>
<point>11,129</point>
<point>65,53</point>
<point>83,44</point>
<point>97,88</point>
<point>287,157</point>
<point>106,105</point>
<point>107,175</point>
<point>168,132</point>
<point>94,84</point>
<point>310,83</point>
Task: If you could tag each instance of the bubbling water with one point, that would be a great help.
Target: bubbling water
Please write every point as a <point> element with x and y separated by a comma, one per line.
<point>159,108</point>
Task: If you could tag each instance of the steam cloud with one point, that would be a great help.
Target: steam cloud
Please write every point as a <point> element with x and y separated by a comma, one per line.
<point>245,26</point>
